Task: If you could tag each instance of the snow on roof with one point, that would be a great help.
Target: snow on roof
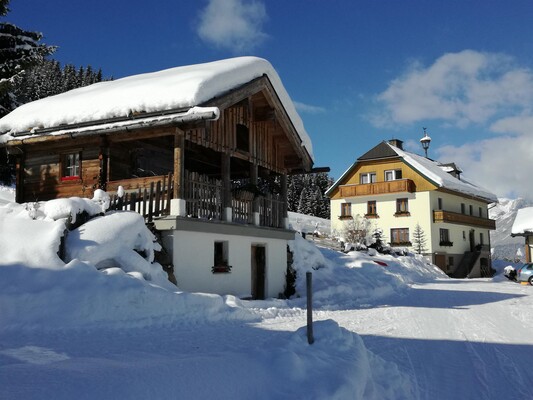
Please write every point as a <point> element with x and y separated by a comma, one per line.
<point>433,171</point>
<point>523,222</point>
<point>175,88</point>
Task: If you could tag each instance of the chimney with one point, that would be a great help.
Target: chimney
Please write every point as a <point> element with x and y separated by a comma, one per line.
<point>396,143</point>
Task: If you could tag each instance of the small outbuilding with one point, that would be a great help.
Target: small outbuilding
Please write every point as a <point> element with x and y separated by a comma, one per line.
<point>523,226</point>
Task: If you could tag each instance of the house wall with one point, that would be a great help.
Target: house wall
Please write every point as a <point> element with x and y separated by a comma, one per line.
<point>379,167</point>
<point>42,176</point>
<point>193,257</point>
<point>421,207</point>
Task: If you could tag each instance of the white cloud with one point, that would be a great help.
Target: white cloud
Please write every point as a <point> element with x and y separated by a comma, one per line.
<point>459,89</point>
<point>234,25</point>
<point>307,108</point>
<point>501,164</point>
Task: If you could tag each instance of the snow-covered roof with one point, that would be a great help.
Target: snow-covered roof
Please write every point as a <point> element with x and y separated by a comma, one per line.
<point>523,222</point>
<point>171,89</point>
<point>431,170</point>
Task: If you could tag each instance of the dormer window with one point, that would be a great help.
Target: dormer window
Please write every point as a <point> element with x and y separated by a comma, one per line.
<point>243,138</point>
<point>393,174</point>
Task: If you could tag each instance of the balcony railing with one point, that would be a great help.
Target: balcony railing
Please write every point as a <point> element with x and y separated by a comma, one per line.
<point>397,186</point>
<point>151,197</point>
<point>456,218</point>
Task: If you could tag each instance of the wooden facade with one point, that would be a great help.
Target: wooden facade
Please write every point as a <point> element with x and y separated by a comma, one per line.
<point>253,143</point>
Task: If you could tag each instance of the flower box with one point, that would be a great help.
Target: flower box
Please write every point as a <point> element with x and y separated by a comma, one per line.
<point>221,269</point>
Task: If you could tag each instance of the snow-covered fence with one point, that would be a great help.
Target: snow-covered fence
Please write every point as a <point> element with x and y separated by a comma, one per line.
<point>150,202</point>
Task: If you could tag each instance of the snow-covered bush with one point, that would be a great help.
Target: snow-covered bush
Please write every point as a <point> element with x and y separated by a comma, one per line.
<point>105,241</point>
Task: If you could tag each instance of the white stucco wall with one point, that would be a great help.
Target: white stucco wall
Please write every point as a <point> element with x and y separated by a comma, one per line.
<point>419,208</point>
<point>193,257</point>
<point>461,243</point>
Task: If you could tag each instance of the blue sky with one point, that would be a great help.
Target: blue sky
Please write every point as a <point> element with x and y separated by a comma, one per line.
<point>359,71</point>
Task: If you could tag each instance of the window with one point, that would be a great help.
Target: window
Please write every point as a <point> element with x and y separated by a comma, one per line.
<point>450,261</point>
<point>402,206</point>
<point>480,212</point>
<point>400,237</point>
<point>243,138</point>
<point>439,201</point>
<point>393,174</point>
<point>481,238</point>
<point>369,177</point>
<point>444,235</point>
<point>220,262</point>
<point>464,235</point>
<point>463,210</point>
<point>71,166</point>
<point>346,210</point>
<point>471,209</point>
<point>371,208</point>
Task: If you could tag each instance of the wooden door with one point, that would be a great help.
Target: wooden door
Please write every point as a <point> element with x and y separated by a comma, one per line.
<point>440,261</point>
<point>258,272</point>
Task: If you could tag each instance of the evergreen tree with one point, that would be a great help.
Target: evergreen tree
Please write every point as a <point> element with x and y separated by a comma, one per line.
<point>419,240</point>
<point>19,50</point>
<point>305,194</point>
<point>378,239</point>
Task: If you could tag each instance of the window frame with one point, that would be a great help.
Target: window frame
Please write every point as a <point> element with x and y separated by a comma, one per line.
<point>346,210</point>
<point>444,237</point>
<point>396,174</point>
<point>371,209</point>
<point>242,138</point>
<point>401,235</point>
<point>402,202</point>
<point>71,166</point>
<point>221,257</point>
<point>370,176</point>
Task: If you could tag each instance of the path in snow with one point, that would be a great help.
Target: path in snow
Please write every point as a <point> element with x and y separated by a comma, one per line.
<point>457,339</point>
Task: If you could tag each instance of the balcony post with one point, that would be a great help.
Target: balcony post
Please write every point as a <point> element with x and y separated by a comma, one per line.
<point>255,203</point>
<point>177,204</point>
<point>227,209</point>
<point>284,209</point>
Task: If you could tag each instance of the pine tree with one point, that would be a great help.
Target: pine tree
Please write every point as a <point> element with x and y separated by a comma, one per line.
<point>19,50</point>
<point>378,239</point>
<point>306,192</point>
<point>419,240</point>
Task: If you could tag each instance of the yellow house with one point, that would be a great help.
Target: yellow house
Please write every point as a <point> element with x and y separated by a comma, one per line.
<point>398,191</point>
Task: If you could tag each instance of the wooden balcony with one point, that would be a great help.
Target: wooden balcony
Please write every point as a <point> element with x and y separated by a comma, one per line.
<point>462,219</point>
<point>397,186</point>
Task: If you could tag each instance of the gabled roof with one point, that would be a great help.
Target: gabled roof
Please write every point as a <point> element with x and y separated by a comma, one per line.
<point>175,90</point>
<point>382,150</point>
<point>429,169</point>
<point>523,222</point>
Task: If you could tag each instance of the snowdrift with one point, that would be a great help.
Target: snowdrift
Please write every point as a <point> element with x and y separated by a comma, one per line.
<point>110,297</point>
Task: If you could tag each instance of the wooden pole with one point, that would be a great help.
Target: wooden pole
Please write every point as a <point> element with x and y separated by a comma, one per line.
<point>179,164</point>
<point>309,281</point>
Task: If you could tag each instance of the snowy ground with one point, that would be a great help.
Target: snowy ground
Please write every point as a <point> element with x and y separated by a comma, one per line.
<point>397,331</point>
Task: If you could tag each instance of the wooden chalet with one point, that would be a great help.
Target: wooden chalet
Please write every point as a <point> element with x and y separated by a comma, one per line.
<point>218,166</point>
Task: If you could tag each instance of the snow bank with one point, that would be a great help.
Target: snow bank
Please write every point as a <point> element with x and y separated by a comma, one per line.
<point>117,240</point>
<point>7,194</point>
<point>354,279</point>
